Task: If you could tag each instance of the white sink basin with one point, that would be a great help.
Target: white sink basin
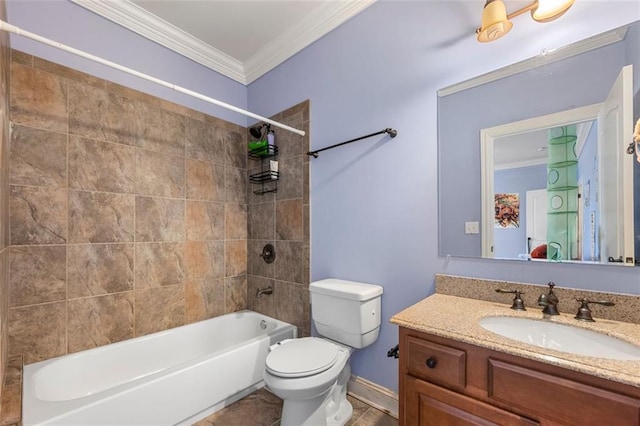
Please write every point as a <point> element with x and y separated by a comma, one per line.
<point>563,338</point>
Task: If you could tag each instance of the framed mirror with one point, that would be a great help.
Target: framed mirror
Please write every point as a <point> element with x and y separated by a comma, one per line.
<point>497,146</point>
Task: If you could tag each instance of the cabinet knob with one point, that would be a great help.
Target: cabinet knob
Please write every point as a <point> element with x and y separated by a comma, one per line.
<point>432,362</point>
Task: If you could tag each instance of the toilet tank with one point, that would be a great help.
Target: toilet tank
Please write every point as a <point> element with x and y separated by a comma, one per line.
<point>346,311</point>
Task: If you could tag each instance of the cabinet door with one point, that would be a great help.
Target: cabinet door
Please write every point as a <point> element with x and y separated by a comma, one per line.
<point>428,404</point>
<point>534,391</point>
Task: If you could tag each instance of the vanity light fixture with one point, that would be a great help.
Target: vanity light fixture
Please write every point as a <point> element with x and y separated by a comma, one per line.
<point>496,22</point>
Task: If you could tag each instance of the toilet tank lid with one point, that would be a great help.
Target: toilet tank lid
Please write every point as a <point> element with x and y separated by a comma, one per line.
<point>345,289</point>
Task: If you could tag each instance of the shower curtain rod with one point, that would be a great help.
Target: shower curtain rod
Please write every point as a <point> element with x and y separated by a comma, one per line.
<point>391,132</point>
<point>4,26</point>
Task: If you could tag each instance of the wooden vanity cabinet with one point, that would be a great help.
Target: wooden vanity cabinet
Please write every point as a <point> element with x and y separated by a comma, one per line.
<point>446,382</point>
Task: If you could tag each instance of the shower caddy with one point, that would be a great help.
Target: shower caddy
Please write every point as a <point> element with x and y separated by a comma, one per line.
<point>267,177</point>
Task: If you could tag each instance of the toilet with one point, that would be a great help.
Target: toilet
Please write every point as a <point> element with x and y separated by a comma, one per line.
<point>311,373</point>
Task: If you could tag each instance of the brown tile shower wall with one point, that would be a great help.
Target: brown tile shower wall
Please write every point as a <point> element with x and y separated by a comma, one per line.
<point>282,219</point>
<point>4,195</point>
<point>128,213</point>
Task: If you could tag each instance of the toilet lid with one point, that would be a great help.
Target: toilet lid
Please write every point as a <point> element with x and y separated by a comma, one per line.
<point>302,357</point>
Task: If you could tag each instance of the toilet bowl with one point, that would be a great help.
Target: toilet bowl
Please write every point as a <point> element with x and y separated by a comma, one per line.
<point>310,374</point>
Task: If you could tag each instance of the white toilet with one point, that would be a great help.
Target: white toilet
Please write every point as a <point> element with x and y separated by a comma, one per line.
<point>311,374</point>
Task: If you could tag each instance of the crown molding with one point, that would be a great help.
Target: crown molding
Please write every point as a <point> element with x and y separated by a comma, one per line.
<point>544,58</point>
<point>138,20</point>
<point>327,18</point>
<point>133,17</point>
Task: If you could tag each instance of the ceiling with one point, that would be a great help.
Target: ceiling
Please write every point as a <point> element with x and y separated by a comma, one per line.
<point>530,148</point>
<point>242,39</point>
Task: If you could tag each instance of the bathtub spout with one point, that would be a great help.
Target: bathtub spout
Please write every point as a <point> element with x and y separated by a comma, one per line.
<point>266,290</point>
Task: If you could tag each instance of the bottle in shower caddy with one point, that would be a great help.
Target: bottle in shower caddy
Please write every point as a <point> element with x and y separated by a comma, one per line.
<point>273,164</point>
<point>273,169</point>
<point>271,138</point>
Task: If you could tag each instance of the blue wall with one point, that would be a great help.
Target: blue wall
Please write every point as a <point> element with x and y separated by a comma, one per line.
<point>373,203</point>
<point>510,242</point>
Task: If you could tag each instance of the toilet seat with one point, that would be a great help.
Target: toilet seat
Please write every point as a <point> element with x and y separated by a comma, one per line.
<point>302,357</point>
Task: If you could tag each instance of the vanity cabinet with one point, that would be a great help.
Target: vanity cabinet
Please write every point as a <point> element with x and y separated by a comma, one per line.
<point>446,382</point>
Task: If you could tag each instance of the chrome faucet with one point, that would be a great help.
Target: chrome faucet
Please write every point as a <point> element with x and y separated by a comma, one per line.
<point>549,301</point>
<point>266,290</point>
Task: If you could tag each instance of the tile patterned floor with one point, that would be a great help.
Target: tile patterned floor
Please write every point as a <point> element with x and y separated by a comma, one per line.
<point>262,408</point>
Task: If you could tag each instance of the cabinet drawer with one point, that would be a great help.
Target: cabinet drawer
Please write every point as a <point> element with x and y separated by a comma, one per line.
<point>436,363</point>
<point>558,398</point>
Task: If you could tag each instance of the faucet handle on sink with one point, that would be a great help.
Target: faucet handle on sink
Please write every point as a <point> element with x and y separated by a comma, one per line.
<point>584,313</point>
<point>518,304</point>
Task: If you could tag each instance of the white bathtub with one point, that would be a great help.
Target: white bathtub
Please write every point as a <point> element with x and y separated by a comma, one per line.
<point>172,377</point>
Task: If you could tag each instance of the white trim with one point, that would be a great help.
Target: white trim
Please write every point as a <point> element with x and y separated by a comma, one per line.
<point>580,224</point>
<point>327,17</point>
<point>572,116</point>
<point>133,17</point>
<point>487,202</point>
<point>138,20</point>
<point>374,395</point>
<point>547,57</point>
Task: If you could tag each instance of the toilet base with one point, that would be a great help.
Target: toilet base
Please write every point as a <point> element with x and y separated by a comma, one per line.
<point>342,416</point>
<point>330,409</point>
<point>306,413</point>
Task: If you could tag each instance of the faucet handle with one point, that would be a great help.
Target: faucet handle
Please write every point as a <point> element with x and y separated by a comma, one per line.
<point>584,313</point>
<point>518,304</point>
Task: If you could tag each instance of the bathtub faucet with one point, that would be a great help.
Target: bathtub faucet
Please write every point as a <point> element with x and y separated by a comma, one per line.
<point>266,290</point>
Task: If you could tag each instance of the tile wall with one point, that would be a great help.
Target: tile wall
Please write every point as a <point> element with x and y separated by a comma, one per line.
<point>4,191</point>
<point>282,219</point>
<point>128,214</point>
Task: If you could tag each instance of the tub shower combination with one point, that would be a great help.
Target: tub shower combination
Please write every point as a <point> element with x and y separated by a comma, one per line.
<point>176,376</point>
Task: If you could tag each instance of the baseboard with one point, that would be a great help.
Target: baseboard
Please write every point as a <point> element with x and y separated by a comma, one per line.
<point>373,394</point>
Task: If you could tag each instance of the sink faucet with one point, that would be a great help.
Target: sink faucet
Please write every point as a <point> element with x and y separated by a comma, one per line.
<point>518,304</point>
<point>549,301</point>
<point>584,313</point>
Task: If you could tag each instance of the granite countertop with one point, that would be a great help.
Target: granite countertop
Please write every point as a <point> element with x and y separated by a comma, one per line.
<point>457,318</point>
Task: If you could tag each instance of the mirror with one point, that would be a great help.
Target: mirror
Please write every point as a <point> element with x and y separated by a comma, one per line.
<point>494,136</point>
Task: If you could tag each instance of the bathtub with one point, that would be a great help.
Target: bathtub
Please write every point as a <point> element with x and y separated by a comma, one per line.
<point>177,376</point>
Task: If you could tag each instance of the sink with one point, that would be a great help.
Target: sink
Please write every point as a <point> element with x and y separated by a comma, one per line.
<point>560,337</point>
